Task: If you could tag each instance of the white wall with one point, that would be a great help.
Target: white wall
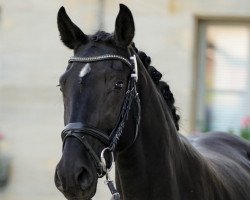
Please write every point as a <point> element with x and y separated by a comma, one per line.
<point>32,59</point>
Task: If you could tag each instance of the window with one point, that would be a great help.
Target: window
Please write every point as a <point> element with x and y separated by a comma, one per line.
<point>223,86</point>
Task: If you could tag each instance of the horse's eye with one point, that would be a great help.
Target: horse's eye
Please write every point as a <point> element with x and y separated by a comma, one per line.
<point>119,85</point>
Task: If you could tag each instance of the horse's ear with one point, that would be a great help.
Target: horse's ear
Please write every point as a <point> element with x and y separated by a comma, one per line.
<point>124,27</point>
<point>71,35</point>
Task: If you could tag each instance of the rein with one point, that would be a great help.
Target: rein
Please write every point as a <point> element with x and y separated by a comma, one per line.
<point>79,130</point>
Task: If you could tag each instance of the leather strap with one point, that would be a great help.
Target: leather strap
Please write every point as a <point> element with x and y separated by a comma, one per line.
<point>88,148</point>
<point>79,127</point>
<point>100,58</point>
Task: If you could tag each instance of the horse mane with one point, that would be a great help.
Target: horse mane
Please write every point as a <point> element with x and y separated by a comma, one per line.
<point>162,85</point>
<point>153,72</point>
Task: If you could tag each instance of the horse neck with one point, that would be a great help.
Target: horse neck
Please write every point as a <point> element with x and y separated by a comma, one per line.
<point>156,165</point>
<point>152,155</point>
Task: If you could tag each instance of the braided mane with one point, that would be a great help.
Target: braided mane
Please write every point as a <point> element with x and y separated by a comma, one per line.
<point>155,75</point>
<point>162,86</point>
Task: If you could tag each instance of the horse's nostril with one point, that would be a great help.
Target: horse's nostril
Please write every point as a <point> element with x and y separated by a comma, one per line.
<point>85,179</point>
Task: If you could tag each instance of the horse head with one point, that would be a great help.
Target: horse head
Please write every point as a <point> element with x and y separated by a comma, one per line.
<point>97,94</point>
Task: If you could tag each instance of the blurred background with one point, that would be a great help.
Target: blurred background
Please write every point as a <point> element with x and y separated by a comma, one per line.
<point>201,48</point>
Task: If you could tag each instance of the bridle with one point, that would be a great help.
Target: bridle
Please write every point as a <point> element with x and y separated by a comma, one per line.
<point>79,130</point>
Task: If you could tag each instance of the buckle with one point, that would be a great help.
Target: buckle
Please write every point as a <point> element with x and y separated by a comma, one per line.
<point>135,70</point>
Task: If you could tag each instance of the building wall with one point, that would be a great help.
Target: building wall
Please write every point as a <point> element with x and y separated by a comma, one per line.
<point>32,59</point>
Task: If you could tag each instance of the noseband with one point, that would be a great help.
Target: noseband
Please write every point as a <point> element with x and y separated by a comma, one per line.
<point>79,130</point>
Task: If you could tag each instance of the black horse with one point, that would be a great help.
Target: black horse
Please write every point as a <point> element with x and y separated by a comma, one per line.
<point>110,106</point>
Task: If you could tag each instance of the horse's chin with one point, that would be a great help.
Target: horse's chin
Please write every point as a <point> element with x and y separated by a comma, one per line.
<point>82,195</point>
<point>79,198</point>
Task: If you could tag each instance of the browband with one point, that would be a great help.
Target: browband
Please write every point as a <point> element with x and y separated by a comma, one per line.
<point>100,58</point>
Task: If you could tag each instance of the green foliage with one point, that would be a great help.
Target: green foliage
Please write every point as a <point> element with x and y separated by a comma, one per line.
<point>245,133</point>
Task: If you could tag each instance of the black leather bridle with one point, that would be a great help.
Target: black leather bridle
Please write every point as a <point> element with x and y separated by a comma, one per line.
<point>79,130</point>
